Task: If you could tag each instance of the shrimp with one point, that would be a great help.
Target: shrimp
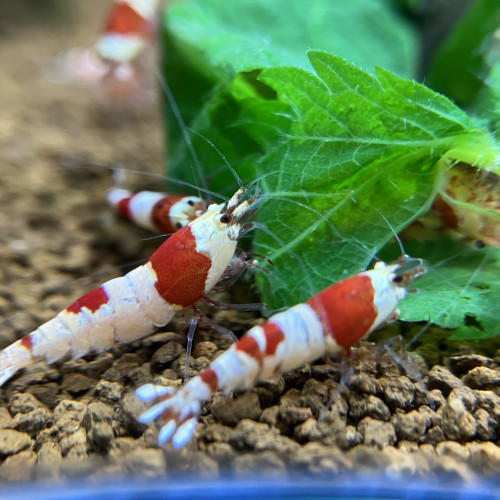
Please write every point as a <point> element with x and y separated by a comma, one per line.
<point>332,321</point>
<point>466,207</point>
<point>120,64</point>
<point>160,212</point>
<point>184,268</point>
<point>469,203</point>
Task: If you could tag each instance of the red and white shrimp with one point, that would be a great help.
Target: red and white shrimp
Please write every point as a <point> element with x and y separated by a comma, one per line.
<point>130,26</point>
<point>160,212</point>
<point>469,203</point>
<point>186,267</point>
<point>466,207</point>
<point>120,65</point>
<point>333,320</point>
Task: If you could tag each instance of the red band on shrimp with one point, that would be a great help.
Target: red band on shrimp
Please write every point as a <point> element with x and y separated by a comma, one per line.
<point>125,20</point>
<point>27,341</point>
<point>92,300</point>
<point>347,309</point>
<point>181,271</point>
<point>274,336</point>
<point>160,214</point>
<point>445,212</point>
<point>123,207</point>
<point>250,346</point>
<point>210,378</point>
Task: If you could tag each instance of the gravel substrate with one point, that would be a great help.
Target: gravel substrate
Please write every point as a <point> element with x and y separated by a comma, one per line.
<point>80,419</point>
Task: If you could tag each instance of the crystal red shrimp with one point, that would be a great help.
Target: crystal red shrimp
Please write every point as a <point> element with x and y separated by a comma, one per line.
<point>183,269</point>
<point>129,27</point>
<point>120,64</point>
<point>466,207</point>
<point>160,212</point>
<point>469,203</point>
<point>331,321</point>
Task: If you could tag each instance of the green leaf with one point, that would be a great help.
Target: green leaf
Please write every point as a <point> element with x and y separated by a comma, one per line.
<point>461,66</point>
<point>460,291</point>
<point>215,50</point>
<point>344,156</point>
<point>245,35</point>
<point>360,151</point>
<point>487,104</point>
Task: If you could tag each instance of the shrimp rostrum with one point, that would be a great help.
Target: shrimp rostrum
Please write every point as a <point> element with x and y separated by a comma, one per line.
<point>332,321</point>
<point>184,268</point>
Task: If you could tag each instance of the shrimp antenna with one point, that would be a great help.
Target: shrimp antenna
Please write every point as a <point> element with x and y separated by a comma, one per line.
<point>398,239</point>
<point>169,179</point>
<point>196,168</point>
<point>263,176</point>
<point>229,166</point>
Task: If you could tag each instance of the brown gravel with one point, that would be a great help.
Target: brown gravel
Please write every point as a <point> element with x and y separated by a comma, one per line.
<point>80,418</point>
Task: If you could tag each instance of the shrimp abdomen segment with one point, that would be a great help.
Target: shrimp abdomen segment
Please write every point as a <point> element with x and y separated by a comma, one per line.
<point>289,340</point>
<point>121,310</point>
<point>347,309</point>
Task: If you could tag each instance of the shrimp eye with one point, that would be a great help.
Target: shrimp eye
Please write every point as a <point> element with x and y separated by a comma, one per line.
<point>397,279</point>
<point>191,203</point>
<point>226,218</point>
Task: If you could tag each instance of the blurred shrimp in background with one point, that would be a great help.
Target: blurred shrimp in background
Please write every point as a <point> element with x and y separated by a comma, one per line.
<point>119,67</point>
